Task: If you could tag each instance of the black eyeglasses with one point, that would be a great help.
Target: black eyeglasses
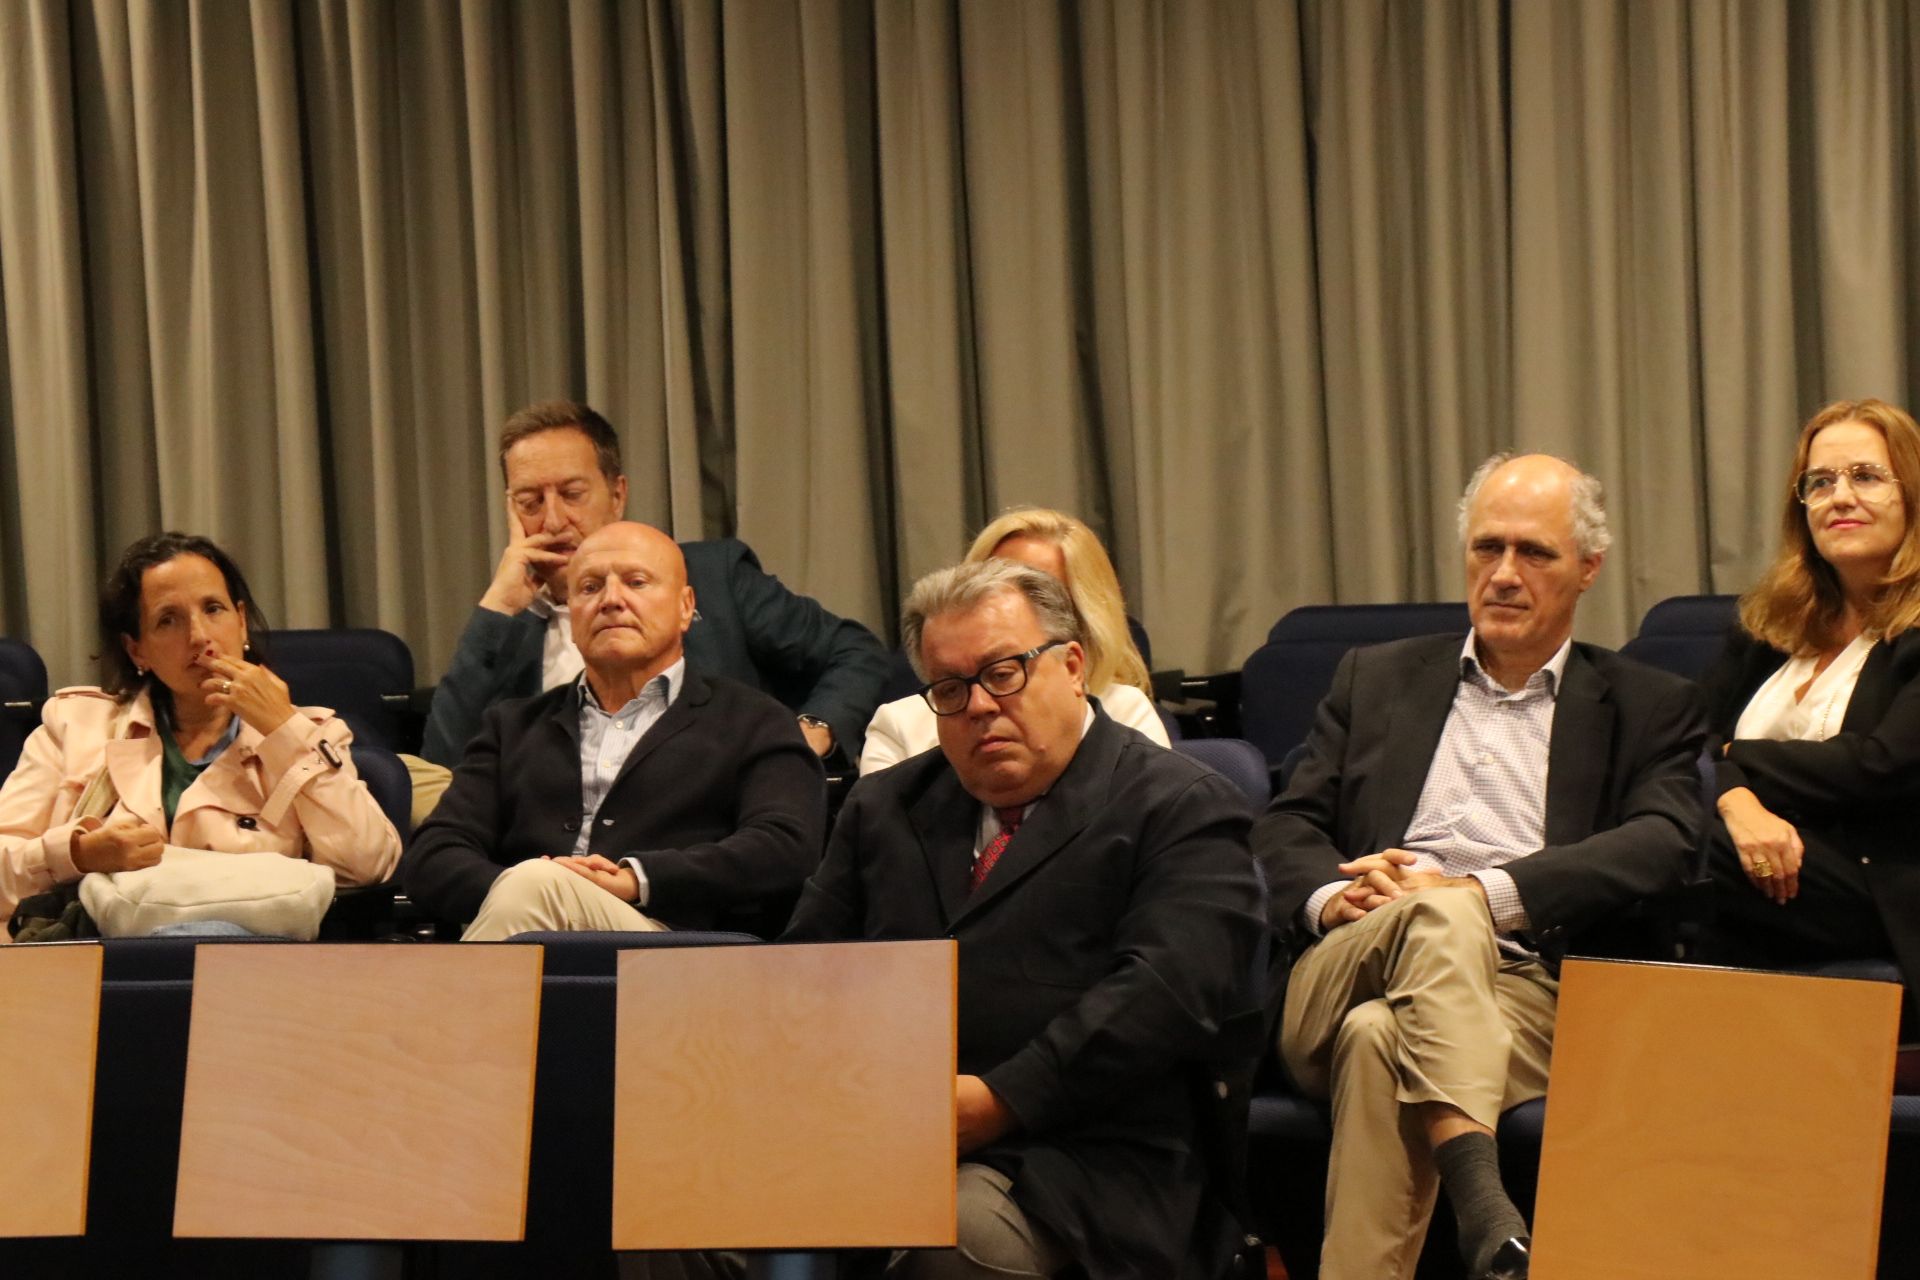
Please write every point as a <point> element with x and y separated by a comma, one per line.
<point>1000,678</point>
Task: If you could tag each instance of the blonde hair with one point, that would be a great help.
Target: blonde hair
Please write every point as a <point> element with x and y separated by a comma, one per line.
<point>1112,657</point>
<point>1798,603</point>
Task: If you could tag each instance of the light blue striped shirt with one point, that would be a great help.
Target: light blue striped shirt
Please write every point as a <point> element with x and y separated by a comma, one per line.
<point>608,738</point>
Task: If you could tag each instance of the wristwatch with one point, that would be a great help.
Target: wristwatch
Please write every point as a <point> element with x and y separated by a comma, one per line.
<point>817,723</point>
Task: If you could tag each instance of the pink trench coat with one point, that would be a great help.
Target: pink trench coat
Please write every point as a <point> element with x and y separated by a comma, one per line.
<point>277,793</point>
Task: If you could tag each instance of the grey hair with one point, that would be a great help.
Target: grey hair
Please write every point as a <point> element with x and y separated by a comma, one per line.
<point>1591,537</point>
<point>964,587</point>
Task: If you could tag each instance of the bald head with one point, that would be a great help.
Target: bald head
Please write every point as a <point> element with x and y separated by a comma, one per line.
<point>1541,473</point>
<point>635,537</point>
<point>1535,533</point>
<point>629,603</point>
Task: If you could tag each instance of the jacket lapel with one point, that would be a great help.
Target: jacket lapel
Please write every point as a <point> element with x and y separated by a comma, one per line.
<point>1872,692</point>
<point>1058,817</point>
<point>231,782</point>
<point>694,694</point>
<point>946,819</point>
<point>1578,751</point>
<point>1413,734</point>
<point>132,759</point>
<point>134,766</point>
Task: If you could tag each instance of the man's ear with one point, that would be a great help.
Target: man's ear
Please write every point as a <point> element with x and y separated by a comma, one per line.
<point>1076,661</point>
<point>687,608</point>
<point>1590,569</point>
<point>620,498</point>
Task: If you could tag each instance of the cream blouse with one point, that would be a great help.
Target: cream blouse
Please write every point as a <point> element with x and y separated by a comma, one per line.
<point>1774,713</point>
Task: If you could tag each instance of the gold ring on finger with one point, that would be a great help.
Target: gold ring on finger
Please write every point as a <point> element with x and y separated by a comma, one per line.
<point>1762,869</point>
<point>226,686</point>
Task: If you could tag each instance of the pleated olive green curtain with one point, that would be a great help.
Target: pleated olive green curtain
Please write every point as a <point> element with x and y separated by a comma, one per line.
<point>1250,284</point>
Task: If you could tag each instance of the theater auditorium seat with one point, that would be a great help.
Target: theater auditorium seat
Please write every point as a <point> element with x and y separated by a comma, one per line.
<point>1684,634</point>
<point>1235,758</point>
<point>23,687</point>
<point>366,675</point>
<point>1285,678</point>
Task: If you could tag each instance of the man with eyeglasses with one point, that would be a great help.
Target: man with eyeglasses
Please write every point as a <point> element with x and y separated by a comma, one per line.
<point>1468,809</point>
<point>1107,913</point>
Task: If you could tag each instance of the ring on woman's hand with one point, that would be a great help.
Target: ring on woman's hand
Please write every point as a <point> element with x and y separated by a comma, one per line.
<point>1762,868</point>
<point>226,686</point>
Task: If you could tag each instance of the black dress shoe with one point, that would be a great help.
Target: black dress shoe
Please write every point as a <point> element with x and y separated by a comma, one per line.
<point>1511,1261</point>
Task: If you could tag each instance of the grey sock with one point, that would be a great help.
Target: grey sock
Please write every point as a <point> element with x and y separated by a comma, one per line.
<point>1469,1168</point>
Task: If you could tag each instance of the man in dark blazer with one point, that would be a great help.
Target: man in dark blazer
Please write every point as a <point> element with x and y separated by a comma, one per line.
<point>1107,913</point>
<point>642,795</point>
<point>1469,808</point>
<point>561,463</point>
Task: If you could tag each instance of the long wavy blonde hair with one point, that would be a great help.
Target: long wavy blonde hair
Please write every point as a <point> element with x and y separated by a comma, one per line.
<point>1112,657</point>
<point>1798,603</point>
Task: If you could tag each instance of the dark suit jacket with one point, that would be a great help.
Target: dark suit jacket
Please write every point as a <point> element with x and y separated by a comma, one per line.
<point>751,629</point>
<point>1099,964</point>
<point>722,801</point>
<point>1858,792</point>
<point>1624,807</point>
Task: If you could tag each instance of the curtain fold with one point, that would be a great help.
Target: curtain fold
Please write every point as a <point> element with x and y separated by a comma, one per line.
<point>53,492</point>
<point>1250,285</point>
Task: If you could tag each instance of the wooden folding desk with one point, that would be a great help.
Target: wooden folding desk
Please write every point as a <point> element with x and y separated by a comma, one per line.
<point>1717,1124</point>
<point>49,1032</point>
<point>361,1092</point>
<point>785,1097</point>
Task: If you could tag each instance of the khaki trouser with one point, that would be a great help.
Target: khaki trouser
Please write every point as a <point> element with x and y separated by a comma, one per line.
<point>430,782</point>
<point>1413,1003</point>
<point>545,896</point>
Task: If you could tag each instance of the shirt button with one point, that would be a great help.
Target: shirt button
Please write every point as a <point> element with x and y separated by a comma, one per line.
<point>1865,861</point>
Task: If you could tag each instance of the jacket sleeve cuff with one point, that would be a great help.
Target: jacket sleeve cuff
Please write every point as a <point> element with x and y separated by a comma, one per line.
<point>1027,1087</point>
<point>292,758</point>
<point>640,879</point>
<point>58,846</point>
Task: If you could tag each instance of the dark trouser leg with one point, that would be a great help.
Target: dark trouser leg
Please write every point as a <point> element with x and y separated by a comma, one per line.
<point>1833,917</point>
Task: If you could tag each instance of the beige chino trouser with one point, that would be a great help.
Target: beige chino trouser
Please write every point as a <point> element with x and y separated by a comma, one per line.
<point>1413,1003</point>
<point>545,896</point>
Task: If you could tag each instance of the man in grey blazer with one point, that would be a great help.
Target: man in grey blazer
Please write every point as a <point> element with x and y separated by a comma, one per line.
<point>1468,809</point>
<point>564,480</point>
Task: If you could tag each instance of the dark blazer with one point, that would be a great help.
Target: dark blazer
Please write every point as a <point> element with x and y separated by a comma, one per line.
<point>1104,960</point>
<point>1858,792</point>
<point>1624,806</point>
<point>750,629</point>
<point>722,801</point>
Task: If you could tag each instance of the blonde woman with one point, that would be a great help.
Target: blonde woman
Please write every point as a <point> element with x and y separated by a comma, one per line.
<point>1058,545</point>
<point>1816,711</point>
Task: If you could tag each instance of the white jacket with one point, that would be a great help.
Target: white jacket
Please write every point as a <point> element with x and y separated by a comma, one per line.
<point>907,726</point>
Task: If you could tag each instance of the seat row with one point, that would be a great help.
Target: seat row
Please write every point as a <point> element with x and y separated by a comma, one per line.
<point>1282,682</point>
<point>367,675</point>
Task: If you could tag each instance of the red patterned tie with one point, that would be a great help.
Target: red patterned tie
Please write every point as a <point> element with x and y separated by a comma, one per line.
<point>1009,823</point>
